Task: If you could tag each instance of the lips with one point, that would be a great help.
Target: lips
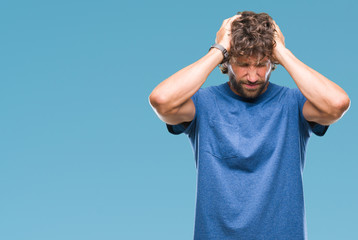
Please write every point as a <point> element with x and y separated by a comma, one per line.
<point>251,86</point>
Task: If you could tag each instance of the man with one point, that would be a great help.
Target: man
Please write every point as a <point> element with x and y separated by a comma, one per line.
<point>249,135</point>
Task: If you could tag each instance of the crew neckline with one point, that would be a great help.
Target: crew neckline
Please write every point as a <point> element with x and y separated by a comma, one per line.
<point>260,97</point>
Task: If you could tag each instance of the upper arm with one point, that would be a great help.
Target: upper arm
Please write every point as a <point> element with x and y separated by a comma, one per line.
<point>312,114</point>
<point>182,114</point>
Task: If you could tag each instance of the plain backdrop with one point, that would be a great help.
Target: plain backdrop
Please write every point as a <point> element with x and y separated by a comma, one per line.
<point>83,155</point>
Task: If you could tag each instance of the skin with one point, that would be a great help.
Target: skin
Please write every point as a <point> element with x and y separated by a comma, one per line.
<point>326,101</point>
<point>247,78</point>
<point>171,99</point>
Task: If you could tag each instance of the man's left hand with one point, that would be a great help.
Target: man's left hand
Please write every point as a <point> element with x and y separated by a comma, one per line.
<point>280,43</point>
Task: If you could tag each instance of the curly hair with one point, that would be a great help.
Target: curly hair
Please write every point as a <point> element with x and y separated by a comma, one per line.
<point>252,34</point>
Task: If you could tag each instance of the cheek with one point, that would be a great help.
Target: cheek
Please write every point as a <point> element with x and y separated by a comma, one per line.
<point>240,72</point>
<point>263,72</point>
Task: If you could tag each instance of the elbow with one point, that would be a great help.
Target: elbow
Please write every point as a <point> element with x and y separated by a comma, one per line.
<point>341,106</point>
<point>153,100</point>
<point>158,102</point>
<point>344,104</point>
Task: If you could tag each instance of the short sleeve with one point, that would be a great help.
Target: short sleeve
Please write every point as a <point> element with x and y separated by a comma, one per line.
<point>314,127</point>
<point>188,127</point>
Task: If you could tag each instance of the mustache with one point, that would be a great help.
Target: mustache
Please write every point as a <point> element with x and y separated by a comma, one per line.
<point>252,84</point>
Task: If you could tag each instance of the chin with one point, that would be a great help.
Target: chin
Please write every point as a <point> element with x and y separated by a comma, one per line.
<point>250,94</point>
<point>242,91</point>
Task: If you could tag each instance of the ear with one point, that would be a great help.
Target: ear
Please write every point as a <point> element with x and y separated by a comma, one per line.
<point>230,71</point>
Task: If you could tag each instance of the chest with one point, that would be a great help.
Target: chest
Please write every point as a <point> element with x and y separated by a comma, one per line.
<point>248,131</point>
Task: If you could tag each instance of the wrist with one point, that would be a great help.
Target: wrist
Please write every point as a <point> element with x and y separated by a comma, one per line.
<point>225,45</point>
<point>217,53</point>
<point>222,49</point>
<point>280,52</point>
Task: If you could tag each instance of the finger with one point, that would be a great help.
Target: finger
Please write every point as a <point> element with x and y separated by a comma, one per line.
<point>225,21</point>
<point>275,24</point>
<point>234,17</point>
<point>230,20</point>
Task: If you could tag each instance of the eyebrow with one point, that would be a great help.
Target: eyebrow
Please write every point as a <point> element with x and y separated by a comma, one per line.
<point>248,63</point>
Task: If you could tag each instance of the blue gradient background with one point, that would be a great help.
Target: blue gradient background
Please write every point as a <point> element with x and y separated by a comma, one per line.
<point>83,156</point>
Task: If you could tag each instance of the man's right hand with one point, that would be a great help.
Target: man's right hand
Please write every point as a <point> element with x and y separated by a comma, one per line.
<point>223,36</point>
<point>171,99</point>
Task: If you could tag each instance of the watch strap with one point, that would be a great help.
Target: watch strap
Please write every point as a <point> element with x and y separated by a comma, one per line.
<point>223,50</point>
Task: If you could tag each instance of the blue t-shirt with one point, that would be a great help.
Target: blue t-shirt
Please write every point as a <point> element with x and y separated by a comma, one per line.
<point>249,159</point>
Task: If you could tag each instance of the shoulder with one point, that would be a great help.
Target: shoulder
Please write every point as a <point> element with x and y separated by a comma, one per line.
<point>280,89</point>
<point>212,89</point>
<point>289,93</point>
<point>280,94</point>
<point>298,96</point>
<point>206,93</point>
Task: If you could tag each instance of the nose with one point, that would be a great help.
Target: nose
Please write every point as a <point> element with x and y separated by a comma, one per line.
<point>252,75</point>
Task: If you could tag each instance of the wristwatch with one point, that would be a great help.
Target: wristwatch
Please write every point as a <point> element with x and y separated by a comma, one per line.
<point>223,50</point>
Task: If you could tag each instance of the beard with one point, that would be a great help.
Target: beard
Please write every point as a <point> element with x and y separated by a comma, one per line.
<point>238,86</point>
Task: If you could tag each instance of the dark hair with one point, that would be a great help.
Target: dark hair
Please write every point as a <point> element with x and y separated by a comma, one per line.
<point>251,35</point>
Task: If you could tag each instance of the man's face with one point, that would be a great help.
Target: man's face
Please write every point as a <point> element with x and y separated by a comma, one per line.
<point>249,76</point>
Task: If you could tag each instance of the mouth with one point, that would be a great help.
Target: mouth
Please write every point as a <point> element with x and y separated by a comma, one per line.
<point>251,86</point>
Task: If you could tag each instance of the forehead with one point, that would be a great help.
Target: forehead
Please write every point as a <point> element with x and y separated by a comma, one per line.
<point>250,59</point>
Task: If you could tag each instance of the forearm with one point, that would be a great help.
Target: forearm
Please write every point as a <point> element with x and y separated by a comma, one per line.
<point>324,94</point>
<point>178,88</point>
